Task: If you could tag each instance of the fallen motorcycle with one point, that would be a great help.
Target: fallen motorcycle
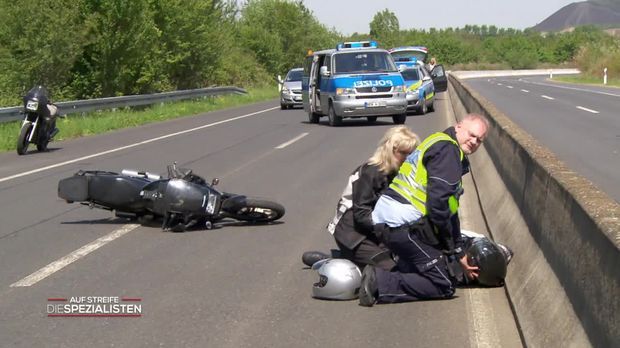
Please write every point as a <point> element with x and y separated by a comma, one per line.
<point>183,200</point>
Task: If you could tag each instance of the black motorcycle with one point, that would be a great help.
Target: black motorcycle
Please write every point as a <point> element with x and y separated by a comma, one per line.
<point>183,200</point>
<point>39,125</point>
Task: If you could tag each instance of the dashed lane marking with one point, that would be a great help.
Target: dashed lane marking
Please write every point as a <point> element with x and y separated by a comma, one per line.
<point>74,256</point>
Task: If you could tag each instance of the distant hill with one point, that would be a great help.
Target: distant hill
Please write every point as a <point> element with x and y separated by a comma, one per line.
<point>581,13</point>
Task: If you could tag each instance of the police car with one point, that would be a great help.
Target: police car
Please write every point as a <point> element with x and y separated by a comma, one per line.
<point>420,89</point>
<point>409,56</point>
<point>353,80</point>
<point>420,83</point>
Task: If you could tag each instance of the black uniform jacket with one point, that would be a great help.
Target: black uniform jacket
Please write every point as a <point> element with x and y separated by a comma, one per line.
<point>445,170</point>
<point>356,223</point>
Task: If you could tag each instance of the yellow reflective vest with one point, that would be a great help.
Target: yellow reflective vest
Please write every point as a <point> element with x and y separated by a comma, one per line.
<point>412,178</point>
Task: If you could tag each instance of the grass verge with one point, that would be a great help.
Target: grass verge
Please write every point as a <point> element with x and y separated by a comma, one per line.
<point>76,125</point>
<point>587,80</point>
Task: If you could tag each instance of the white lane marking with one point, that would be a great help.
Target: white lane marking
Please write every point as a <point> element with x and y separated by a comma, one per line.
<point>547,97</point>
<point>74,256</point>
<point>283,145</point>
<point>572,88</point>
<point>588,110</point>
<point>509,87</point>
<point>525,91</point>
<point>483,319</point>
<point>132,145</point>
<point>499,83</point>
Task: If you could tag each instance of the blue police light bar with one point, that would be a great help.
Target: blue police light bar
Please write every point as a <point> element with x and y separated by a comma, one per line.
<point>357,44</point>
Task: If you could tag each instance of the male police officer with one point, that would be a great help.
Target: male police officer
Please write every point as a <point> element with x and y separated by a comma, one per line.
<point>420,210</point>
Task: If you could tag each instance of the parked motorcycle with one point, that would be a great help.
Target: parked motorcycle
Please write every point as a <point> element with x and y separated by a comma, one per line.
<point>39,124</point>
<point>183,200</point>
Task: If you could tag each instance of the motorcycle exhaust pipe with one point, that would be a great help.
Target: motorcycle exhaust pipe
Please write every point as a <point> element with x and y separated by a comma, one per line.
<point>126,215</point>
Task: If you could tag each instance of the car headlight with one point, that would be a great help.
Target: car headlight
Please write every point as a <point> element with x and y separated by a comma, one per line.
<point>399,88</point>
<point>345,91</point>
<point>415,92</point>
<point>286,91</point>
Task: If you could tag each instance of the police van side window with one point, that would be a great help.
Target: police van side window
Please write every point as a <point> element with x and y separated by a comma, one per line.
<point>328,63</point>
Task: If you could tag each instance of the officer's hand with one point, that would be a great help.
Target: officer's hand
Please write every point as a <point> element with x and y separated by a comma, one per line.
<point>470,271</point>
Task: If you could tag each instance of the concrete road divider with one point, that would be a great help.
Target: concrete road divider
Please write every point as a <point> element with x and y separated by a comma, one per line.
<point>564,281</point>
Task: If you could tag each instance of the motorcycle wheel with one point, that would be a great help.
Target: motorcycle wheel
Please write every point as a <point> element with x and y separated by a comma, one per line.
<point>258,210</point>
<point>22,140</point>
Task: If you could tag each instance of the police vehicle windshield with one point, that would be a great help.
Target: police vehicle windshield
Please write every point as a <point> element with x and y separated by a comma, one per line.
<point>409,56</point>
<point>410,74</point>
<point>363,62</point>
<point>294,75</point>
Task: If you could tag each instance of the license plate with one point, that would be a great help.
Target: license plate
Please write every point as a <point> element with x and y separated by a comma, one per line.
<point>32,105</point>
<point>375,104</point>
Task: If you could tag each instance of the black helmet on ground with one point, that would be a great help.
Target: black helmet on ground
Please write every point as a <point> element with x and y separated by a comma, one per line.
<point>490,259</point>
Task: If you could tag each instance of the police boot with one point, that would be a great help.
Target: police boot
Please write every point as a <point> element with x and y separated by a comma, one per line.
<point>369,290</point>
<point>309,258</point>
<point>53,133</point>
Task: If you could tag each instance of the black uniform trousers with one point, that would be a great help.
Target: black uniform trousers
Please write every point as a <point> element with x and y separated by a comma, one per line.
<point>421,272</point>
<point>367,252</point>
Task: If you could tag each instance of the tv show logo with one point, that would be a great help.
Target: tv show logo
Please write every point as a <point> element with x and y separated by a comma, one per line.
<point>94,306</point>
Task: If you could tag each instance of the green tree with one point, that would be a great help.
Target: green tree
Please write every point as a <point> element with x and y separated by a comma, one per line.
<point>192,39</point>
<point>280,33</point>
<point>40,43</point>
<point>385,28</point>
<point>123,55</point>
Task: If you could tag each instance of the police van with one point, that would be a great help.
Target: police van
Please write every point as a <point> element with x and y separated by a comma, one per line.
<point>356,79</point>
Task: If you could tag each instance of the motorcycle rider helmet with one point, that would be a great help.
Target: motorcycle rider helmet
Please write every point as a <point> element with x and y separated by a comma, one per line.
<point>339,279</point>
<point>490,259</point>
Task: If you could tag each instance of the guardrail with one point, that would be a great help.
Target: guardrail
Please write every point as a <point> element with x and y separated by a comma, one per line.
<point>79,106</point>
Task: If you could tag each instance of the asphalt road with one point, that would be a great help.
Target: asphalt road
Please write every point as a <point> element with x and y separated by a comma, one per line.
<point>234,286</point>
<point>580,124</point>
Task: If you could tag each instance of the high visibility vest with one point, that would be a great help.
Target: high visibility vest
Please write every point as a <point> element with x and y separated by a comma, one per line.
<point>412,178</point>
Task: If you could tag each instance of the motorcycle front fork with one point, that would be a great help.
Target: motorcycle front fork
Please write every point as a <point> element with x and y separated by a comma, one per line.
<point>33,129</point>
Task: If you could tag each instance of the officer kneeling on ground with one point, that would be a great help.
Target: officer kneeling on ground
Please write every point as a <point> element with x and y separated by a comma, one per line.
<point>419,212</point>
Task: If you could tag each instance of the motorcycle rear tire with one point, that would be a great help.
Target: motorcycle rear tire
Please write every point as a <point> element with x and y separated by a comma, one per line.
<point>42,145</point>
<point>258,210</point>
<point>22,140</point>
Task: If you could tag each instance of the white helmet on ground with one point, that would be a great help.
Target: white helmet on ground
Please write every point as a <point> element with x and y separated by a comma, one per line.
<point>339,279</point>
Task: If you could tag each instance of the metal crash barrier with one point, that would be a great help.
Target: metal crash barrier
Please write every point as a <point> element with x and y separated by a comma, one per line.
<point>90,105</point>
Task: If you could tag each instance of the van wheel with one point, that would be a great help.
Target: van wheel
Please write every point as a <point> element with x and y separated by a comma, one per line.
<point>313,117</point>
<point>371,119</point>
<point>399,119</point>
<point>431,108</point>
<point>334,120</point>
<point>282,106</point>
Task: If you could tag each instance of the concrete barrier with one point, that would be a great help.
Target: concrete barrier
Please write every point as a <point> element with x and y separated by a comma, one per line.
<point>564,281</point>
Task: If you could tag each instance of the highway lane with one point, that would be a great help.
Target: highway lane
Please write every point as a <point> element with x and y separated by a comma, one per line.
<point>234,286</point>
<point>580,124</point>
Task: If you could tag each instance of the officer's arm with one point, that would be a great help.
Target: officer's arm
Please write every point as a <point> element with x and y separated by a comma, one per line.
<point>364,199</point>
<point>444,174</point>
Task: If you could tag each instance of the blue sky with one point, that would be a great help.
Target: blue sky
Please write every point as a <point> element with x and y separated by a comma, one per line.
<point>349,16</point>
